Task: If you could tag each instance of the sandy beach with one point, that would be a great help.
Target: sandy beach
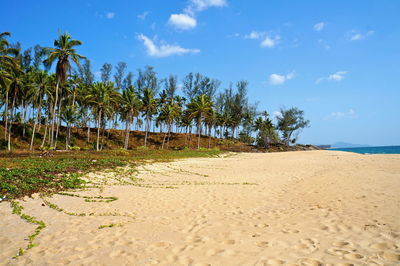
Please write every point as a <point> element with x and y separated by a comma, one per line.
<point>292,208</point>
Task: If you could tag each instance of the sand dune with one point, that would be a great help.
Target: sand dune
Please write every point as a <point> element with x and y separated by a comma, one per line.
<point>294,208</point>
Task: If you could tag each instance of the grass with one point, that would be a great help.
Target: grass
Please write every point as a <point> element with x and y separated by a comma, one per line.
<point>25,174</point>
<point>17,209</point>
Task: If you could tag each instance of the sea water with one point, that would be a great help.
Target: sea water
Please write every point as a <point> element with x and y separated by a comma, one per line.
<point>373,150</point>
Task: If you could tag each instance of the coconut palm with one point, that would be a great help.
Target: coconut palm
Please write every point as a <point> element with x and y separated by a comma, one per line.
<point>200,108</point>
<point>101,96</point>
<point>69,116</point>
<point>130,107</point>
<point>168,113</point>
<point>64,52</point>
<point>38,91</point>
<point>149,108</point>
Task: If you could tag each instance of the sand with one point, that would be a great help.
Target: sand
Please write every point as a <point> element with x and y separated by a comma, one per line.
<point>292,208</point>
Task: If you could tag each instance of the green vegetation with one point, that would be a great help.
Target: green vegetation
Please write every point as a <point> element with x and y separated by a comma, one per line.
<point>17,209</point>
<point>44,108</point>
<point>109,225</point>
<point>20,176</point>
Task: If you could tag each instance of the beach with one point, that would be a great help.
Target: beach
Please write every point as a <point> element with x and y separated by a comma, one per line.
<point>291,208</point>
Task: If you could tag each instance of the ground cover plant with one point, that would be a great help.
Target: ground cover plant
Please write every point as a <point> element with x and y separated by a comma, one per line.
<point>25,174</point>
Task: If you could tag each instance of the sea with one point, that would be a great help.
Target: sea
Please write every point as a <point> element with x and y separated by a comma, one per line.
<point>372,150</point>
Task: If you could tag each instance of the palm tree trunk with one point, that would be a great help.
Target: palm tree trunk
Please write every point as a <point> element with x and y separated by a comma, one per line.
<point>165,137</point>
<point>127,130</point>
<point>45,132</point>
<point>34,126</point>
<point>146,129</point>
<point>169,134</point>
<point>11,120</point>
<point>23,118</point>
<point>67,137</point>
<point>54,114</point>
<point>198,140</point>
<point>209,137</point>
<point>58,125</point>
<point>98,131</point>
<point>88,131</point>
<point>6,118</point>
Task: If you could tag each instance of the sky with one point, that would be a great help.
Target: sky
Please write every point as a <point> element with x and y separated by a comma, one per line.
<point>339,61</point>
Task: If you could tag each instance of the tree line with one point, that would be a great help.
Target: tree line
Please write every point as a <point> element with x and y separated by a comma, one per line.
<point>35,98</point>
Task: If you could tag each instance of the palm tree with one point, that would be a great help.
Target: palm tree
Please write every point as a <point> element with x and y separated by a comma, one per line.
<point>38,91</point>
<point>101,96</point>
<point>69,116</point>
<point>8,64</point>
<point>15,75</point>
<point>149,107</point>
<point>130,107</point>
<point>168,113</point>
<point>63,52</point>
<point>200,108</point>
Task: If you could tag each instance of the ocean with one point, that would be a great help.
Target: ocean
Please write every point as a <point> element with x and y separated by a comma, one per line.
<point>373,150</point>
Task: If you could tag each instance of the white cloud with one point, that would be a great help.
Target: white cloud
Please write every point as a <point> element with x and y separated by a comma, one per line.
<point>110,15</point>
<point>164,50</point>
<point>200,5</point>
<point>186,20</point>
<point>182,21</point>
<point>276,79</point>
<point>270,42</point>
<point>143,15</point>
<point>254,35</point>
<point>356,36</point>
<point>340,115</point>
<point>290,75</point>
<point>338,76</point>
<point>319,26</point>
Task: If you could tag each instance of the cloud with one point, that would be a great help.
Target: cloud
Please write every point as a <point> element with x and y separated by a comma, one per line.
<point>338,76</point>
<point>319,26</point>
<point>110,15</point>
<point>182,21</point>
<point>268,40</point>
<point>143,15</point>
<point>276,79</point>
<point>254,35</point>
<point>356,36</point>
<point>164,50</point>
<point>351,114</point>
<point>186,20</point>
<point>200,5</point>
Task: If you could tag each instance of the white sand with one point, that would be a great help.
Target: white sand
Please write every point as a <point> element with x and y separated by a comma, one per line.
<point>300,208</point>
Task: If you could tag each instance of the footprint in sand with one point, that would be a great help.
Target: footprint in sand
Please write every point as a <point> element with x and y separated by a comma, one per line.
<point>290,231</point>
<point>354,256</point>
<point>273,262</point>
<point>309,262</point>
<point>261,225</point>
<point>307,245</point>
<point>390,256</point>
<point>383,245</point>
<point>337,252</point>
<point>342,244</point>
<point>263,244</point>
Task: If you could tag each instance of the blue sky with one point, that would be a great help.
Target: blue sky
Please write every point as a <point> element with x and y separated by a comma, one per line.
<point>339,61</point>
